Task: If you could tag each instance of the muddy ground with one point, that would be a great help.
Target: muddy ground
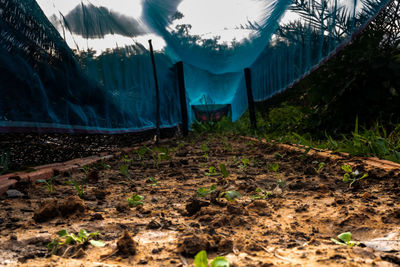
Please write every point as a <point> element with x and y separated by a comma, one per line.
<point>304,207</point>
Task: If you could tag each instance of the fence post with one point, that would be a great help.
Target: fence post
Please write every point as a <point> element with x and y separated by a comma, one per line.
<point>182,96</point>
<point>252,113</point>
<point>157,93</point>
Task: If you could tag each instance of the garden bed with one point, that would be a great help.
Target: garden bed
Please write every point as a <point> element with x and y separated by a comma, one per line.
<point>291,205</point>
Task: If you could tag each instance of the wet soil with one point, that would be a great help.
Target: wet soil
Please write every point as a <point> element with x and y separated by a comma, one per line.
<point>291,226</point>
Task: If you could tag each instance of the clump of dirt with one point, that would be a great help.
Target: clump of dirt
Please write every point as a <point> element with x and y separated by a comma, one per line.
<point>190,245</point>
<point>53,208</point>
<point>126,245</point>
<point>194,205</point>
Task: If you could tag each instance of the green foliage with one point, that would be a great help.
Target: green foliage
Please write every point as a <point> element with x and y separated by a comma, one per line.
<point>223,169</point>
<point>261,194</point>
<point>141,152</point>
<point>85,169</point>
<point>153,181</point>
<point>124,169</point>
<point>135,200</point>
<point>78,188</point>
<point>64,238</point>
<point>345,240</point>
<point>230,195</point>
<point>49,184</point>
<point>160,154</point>
<point>4,162</point>
<point>320,166</point>
<point>351,176</point>
<point>245,162</point>
<point>202,191</point>
<point>200,260</point>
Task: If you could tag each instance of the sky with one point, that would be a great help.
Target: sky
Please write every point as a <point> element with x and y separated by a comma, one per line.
<point>222,19</point>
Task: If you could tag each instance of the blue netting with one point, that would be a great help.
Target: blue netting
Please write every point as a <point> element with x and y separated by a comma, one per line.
<point>83,66</point>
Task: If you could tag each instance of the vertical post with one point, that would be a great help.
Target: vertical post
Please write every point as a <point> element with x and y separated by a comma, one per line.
<point>252,113</point>
<point>182,95</point>
<point>157,93</point>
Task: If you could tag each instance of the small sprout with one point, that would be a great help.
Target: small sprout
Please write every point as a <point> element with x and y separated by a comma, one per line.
<point>124,169</point>
<point>153,181</point>
<point>223,169</point>
<point>345,240</point>
<point>104,165</point>
<point>200,260</point>
<point>64,238</point>
<point>261,194</point>
<point>274,167</point>
<point>235,160</point>
<point>135,200</point>
<point>230,195</point>
<point>321,165</point>
<point>211,171</point>
<point>49,184</point>
<point>85,169</point>
<point>4,162</point>
<point>141,152</point>
<point>351,176</point>
<point>126,159</point>
<point>78,188</point>
<point>202,191</point>
<point>281,183</point>
<point>245,162</point>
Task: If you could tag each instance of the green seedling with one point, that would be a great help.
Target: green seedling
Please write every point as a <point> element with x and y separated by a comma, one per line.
<point>275,168</point>
<point>64,238</point>
<point>235,160</point>
<point>211,171</point>
<point>261,194</point>
<point>126,159</point>
<point>153,181</point>
<point>223,169</point>
<point>200,260</point>
<point>78,188</point>
<point>230,195</point>
<point>135,200</point>
<point>160,154</point>
<point>49,184</point>
<point>321,165</point>
<point>352,176</point>
<point>202,191</point>
<point>4,162</point>
<point>85,169</point>
<point>103,164</point>
<point>345,240</point>
<point>141,152</point>
<point>245,162</point>
<point>124,169</point>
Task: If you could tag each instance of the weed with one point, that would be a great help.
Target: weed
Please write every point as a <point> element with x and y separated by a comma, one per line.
<point>126,159</point>
<point>230,195</point>
<point>4,162</point>
<point>223,169</point>
<point>124,169</point>
<point>345,240</point>
<point>141,152</point>
<point>211,171</point>
<point>275,168</point>
<point>49,184</point>
<point>135,200</point>
<point>153,181</point>
<point>320,166</point>
<point>64,238</point>
<point>200,260</point>
<point>104,165</point>
<point>235,160</point>
<point>85,169</point>
<point>159,154</point>
<point>351,176</point>
<point>261,194</point>
<point>78,188</point>
<point>202,191</point>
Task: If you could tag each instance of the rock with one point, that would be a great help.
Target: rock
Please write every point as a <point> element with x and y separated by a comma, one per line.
<point>72,205</point>
<point>12,193</point>
<point>47,211</point>
<point>126,245</point>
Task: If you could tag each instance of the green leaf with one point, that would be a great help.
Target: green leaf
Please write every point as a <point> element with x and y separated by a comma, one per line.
<point>213,188</point>
<point>40,181</point>
<point>220,262</point>
<point>231,195</point>
<point>346,177</point>
<point>274,167</point>
<point>202,191</point>
<point>83,234</point>
<point>338,242</point>
<point>364,176</point>
<point>200,260</point>
<point>345,237</point>
<point>224,171</point>
<point>347,168</point>
<point>62,233</point>
<point>97,243</point>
